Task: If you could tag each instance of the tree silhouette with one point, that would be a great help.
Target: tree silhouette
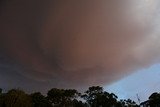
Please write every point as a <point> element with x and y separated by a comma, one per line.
<point>154,100</point>
<point>0,90</point>
<point>17,98</point>
<point>61,97</point>
<point>39,100</point>
<point>127,103</point>
<point>76,103</point>
<point>2,98</point>
<point>96,97</point>
<point>93,94</point>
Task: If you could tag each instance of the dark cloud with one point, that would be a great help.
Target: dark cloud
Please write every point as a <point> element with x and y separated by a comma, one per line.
<point>76,43</point>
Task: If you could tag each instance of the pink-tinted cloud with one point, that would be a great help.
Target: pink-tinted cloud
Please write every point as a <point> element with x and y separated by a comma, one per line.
<point>81,42</point>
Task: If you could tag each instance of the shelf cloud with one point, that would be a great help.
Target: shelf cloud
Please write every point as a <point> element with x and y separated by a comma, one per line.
<point>80,42</point>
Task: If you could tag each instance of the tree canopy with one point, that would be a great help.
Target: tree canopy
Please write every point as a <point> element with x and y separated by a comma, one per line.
<point>94,96</point>
<point>17,98</point>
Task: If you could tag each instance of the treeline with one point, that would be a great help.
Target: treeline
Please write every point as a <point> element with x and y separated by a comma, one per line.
<point>95,96</point>
<point>153,101</point>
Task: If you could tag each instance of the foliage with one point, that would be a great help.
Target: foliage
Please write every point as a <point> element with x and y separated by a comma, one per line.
<point>17,98</point>
<point>39,100</point>
<point>154,100</point>
<point>62,97</point>
<point>0,90</point>
<point>77,103</point>
<point>127,103</point>
<point>95,96</point>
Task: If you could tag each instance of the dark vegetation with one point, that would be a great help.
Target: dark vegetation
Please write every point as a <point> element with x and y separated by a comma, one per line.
<point>95,96</point>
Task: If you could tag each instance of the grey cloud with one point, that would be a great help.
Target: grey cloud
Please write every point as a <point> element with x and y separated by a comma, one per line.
<point>77,43</point>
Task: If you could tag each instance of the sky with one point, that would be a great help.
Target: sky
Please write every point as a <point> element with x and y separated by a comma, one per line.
<point>80,43</point>
<point>147,82</point>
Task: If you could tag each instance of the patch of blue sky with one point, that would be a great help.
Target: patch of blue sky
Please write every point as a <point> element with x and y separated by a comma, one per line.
<point>143,82</point>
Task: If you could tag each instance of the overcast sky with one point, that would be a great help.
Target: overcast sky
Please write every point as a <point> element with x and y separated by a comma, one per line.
<point>79,43</point>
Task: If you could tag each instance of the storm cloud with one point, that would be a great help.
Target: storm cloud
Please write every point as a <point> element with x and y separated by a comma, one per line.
<point>77,43</point>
